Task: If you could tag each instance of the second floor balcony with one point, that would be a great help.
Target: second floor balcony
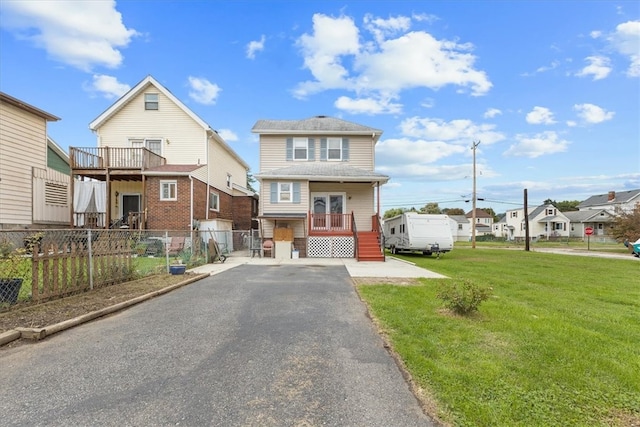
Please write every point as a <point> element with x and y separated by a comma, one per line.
<point>93,159</point>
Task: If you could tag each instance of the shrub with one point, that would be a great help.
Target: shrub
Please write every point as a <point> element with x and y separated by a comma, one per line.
<point>463,297</point>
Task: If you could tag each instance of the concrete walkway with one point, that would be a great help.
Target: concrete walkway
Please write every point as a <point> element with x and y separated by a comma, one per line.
<point>392,267</point>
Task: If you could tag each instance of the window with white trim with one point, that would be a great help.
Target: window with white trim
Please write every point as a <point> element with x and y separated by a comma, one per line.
<point>168,190</point>
<point>154,145</point>
<point>334,149</point>
<point>300,148</point>
<point>284,192</point>
<point>150,101</point>
<point>514,214</point>
<point>229,181</point>
<point>214,201</point>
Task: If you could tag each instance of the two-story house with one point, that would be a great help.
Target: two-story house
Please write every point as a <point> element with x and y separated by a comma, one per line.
<point>612,202</point>
<point>484,222</point>
<point>163,167</point>
<point>34,170</point>
<point>319,188</point>
<point>545,222</point>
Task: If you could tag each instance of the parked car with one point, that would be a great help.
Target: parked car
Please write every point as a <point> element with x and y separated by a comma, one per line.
<point>634,247</point>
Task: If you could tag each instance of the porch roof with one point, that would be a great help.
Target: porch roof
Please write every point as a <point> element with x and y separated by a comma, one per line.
<point>325,171</point>
<point>284,215</point>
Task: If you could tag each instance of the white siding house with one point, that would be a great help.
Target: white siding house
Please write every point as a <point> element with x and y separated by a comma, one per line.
<point>32,194</point>
<point>318,180</point>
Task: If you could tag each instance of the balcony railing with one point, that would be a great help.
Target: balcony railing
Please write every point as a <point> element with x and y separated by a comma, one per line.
<point>114,158</point>
<point>329,224</point>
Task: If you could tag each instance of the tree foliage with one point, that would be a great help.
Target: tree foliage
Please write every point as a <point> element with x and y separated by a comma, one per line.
<point>453,211</point>
<point>627,225</point>
<point>390,213</point>
<point>564,206</point>
<point>250,181</point>
<point>430,208</point>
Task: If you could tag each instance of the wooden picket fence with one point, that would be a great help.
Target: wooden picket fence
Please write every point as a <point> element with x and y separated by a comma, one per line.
<point>63,269</point>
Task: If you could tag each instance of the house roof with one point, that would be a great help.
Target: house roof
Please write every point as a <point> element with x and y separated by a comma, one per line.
<point>27,107</point>
<point>480,213</point>
<point>591,215</point>
<point>320,124</point>
<point>461,219</point>
<point>55,147</point>
<point>141,87</point>
<point>172,170</point>
<point>324,171</point>
<point>603,199</point>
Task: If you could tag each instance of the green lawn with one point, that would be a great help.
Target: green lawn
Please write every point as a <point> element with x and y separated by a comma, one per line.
<point>558,344</point>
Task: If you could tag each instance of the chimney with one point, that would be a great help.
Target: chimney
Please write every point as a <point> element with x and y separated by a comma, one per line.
<point>612,196</point>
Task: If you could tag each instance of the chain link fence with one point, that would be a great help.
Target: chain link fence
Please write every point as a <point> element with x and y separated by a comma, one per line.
<point>38,265</point>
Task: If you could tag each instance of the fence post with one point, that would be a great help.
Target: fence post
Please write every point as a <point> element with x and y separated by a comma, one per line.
<point>90,259</point>
<point>166,249</point>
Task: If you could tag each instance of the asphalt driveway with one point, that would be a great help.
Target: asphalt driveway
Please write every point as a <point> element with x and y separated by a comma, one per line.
<point>280,345</point>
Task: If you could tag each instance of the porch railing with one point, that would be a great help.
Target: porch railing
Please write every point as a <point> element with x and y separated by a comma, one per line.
<point>114,158</point>
<point>330,223</point>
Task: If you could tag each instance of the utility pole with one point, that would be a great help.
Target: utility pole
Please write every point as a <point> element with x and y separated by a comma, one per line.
<point>473,212</point>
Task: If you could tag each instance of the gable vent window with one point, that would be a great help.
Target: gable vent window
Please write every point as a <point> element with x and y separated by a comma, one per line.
<point>150,101</point>
<point>55,194</point>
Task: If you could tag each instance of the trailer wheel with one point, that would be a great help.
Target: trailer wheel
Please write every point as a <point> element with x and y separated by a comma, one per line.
<point>427,253</point>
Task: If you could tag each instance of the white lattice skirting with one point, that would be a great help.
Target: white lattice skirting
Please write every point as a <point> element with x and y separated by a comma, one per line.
<point>330,247</point>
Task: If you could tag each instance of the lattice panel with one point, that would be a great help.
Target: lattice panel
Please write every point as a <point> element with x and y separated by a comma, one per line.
<point>330,247</point>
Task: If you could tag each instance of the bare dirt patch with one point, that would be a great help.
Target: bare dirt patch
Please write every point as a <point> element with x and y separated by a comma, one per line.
<point>52,312</point>
<point>397,281</point>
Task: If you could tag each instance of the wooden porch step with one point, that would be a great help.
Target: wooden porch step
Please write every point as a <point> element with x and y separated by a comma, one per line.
<point>369,247</point>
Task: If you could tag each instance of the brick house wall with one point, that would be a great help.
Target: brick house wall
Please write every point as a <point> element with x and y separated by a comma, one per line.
<point>168,214</point>
<point>244,209</point>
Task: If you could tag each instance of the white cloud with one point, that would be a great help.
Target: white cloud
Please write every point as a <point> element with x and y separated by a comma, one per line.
<point>538,145</point>
<point>108,86</point>
<point>540,116</point>
<point>599,67</point>
<point>626,40</point>
<point>255,46</point>
<point>461,132</point>
<point>491,113</point>
<point>83,34</point>
<point>228,135</point>
<point>572,123</point>
<point>595,34</point>
<point>593,114</point>
<point>383,28</point>
<point>203,91</point>
<point>367,106</point>
<point>338,59</point>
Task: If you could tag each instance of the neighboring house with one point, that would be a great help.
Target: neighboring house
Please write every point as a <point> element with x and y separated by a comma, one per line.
<point>501,228</point>
<point>34,170</point>
<point>163,166</point>
<point>484,222</point>
<point>612,201</point>
<point>318,187</point>
<point>460,228</point>
<point>600,220</point>
<point>545,222</point>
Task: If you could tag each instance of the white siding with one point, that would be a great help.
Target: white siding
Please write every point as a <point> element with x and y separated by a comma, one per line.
<point>359,200</point>
<point>267,207</point>
<point>50,213</point>
<point>273,151</point>
<point>225,164</point>
<point>23,145</point>
<point>184,140</point>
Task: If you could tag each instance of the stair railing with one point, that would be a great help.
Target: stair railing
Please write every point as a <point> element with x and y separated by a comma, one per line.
<point>355,235</point>
<point>377,226</point>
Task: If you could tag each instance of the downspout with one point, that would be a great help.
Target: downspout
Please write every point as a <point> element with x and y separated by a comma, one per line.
<point>191,203</point>
<point>206,151</point>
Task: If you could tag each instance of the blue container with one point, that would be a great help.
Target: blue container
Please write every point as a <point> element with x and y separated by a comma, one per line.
<point>177,269</point>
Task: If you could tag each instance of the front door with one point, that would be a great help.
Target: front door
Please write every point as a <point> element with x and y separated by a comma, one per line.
<point>328,210</point>
<point>130,203</point>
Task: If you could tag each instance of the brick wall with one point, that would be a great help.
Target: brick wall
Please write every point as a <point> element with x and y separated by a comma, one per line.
<point>244,209</point>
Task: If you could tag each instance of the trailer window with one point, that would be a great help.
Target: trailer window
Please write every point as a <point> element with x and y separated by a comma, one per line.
<point>401,228</point>
<point>393,230</point>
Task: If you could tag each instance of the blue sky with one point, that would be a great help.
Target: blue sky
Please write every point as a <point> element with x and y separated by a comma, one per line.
<point>551,89</point>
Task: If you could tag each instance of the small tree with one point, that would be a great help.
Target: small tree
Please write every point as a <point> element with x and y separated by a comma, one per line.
<point>463,297</point>
<point>430,208</point>
<point>626,225</point>
<point>390,213</point>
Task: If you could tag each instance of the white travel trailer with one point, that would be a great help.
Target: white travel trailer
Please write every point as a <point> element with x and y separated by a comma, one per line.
<point>413,231</point>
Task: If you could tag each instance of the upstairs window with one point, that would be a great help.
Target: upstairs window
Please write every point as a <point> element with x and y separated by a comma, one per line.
<point>284,192</point>
<point>334,149</point>
<point>514,214</point>
<point>228,181</point>
<point>150,101</point>
<point>300,149</point>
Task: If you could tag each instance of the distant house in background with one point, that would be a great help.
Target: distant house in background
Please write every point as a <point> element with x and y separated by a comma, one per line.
<point>600,220</point>
<point>612,201</point>
<point>460,228</point>
<point>545,222</point>
<point>34,170</point>
<point>318,188</point>
<point>484,222</point>
<point>501,228</point>
<point>163,167</point>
